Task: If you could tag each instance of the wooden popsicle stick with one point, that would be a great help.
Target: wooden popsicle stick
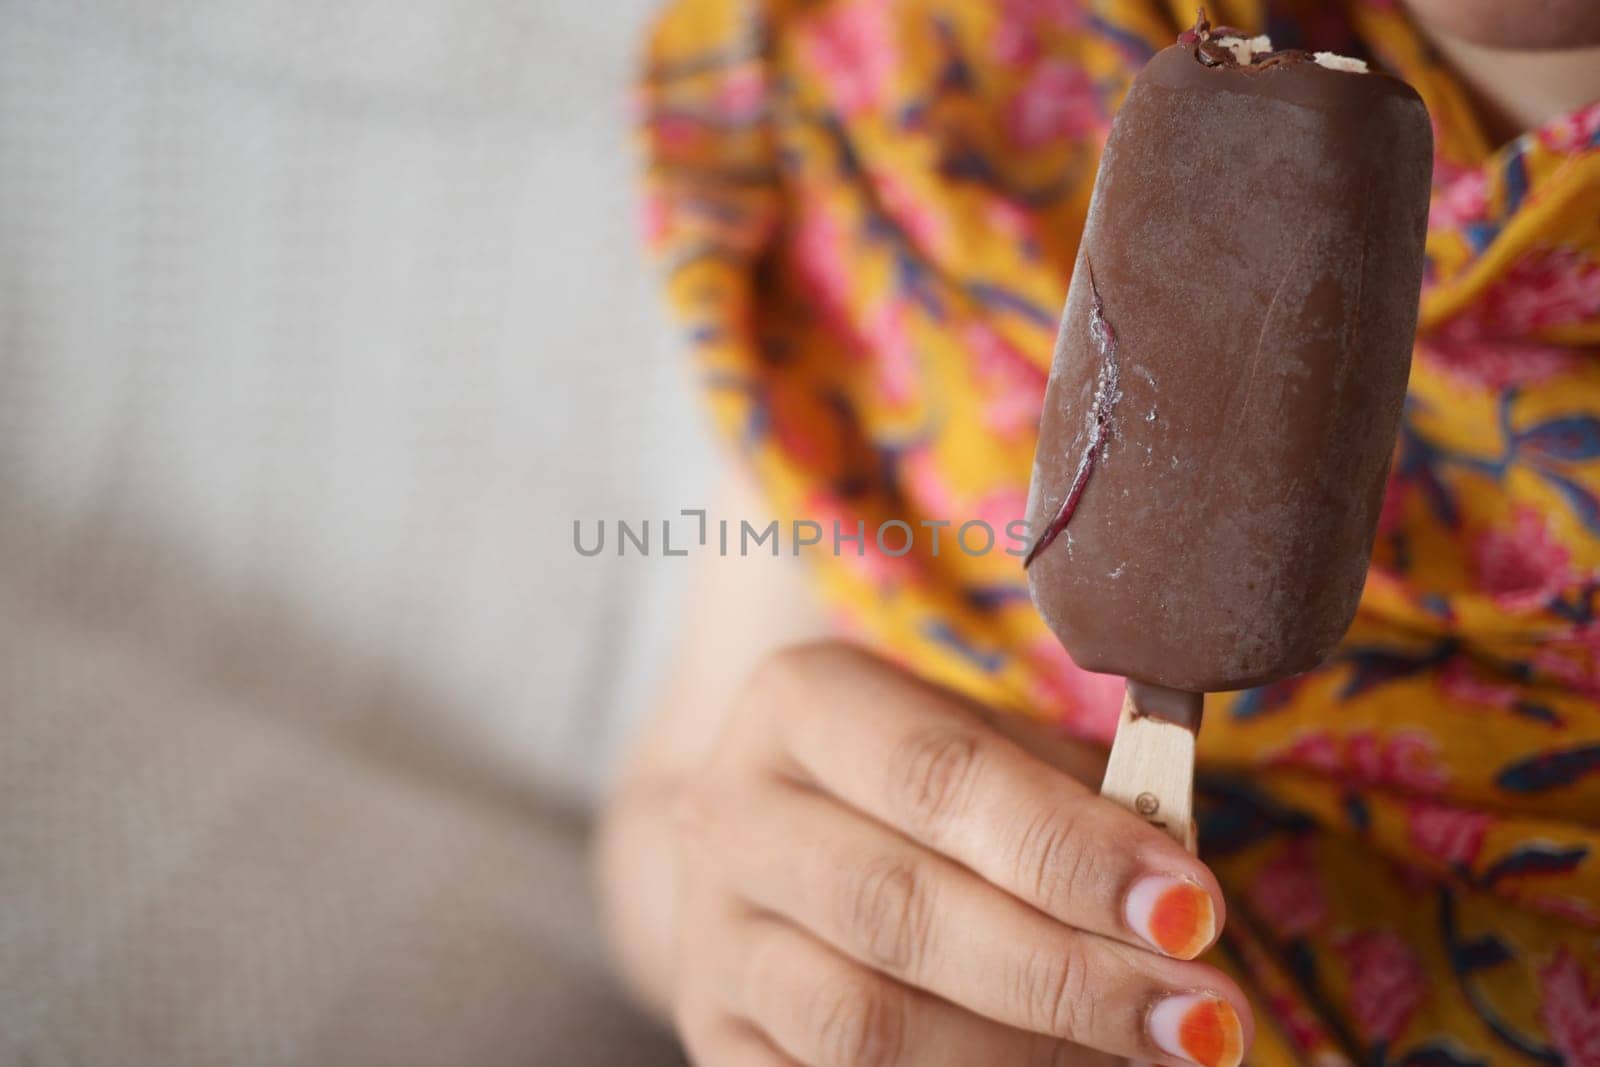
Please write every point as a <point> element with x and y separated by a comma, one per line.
<point>1151,772</point>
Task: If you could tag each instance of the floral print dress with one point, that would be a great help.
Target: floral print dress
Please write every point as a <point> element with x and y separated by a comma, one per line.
<point>866,213</point>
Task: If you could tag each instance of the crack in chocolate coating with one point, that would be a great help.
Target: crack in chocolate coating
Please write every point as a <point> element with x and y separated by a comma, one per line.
<point>1257,240</point>
<point>1107,391</point>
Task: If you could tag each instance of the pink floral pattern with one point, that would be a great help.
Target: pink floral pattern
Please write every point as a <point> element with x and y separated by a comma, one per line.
<point>1460,199</point>
<point>1011,221</point>
<point>1404,759</point>
<point>1386,982</point>
<point>1580,913</point>
<point>925,483</point>
<point>1572,659</point>
<point>1490,364</point>
<point>1017,40</point>
<point>1469,685</point>
<point>1001,507</point>
<point>1392,511</point>
<point>888,335</point>
<point>1523,565</point>
<point>1057,103</point>
<point>1572,131</point>
<point>1058,14</point>
<point>676,133</point>
<point>1544,288</point>
<point>1451,835</point>
<point>1287,892</point>
<point>881,566</point>
<point>1016,44</point>
<point>852,46</point>
<point>1088,703</point>
<point>1012,384</point>
<point>1320,751</point>
<point>912,213</point>
<point>1570,1010</point>
<point>741,94</point>
<point>820,250</point>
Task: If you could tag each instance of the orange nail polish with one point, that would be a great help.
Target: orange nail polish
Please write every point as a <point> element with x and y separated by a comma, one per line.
<point>1173,915</point>
<point>1201,1028</point>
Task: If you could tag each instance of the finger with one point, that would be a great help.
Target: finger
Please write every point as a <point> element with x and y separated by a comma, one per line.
<point>829,1011</point>
<point>723,1041</point>
<point>918,759</point>
<point>708,917</point>
<point>899,908</point>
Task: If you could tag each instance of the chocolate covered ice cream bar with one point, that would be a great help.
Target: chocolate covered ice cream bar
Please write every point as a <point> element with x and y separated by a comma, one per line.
<point>1231,366</point>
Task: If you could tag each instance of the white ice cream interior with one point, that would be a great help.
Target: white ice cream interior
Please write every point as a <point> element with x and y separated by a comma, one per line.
<point>1334,61</point>
<point>1245,49</point>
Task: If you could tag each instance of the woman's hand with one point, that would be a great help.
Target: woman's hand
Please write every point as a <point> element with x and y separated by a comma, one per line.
<point>874,875</point>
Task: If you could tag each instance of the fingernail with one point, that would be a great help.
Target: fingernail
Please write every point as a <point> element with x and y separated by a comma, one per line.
<point>1200,1027</point>
<point>1173,915</point>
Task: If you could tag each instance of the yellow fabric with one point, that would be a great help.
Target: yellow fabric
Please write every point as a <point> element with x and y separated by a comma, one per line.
<point>866,213</point>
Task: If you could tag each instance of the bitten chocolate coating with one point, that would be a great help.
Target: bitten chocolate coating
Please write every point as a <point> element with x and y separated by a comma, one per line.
<point>1255,243</point>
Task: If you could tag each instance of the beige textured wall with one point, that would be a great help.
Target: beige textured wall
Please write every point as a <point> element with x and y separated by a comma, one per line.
<point>318,325</point>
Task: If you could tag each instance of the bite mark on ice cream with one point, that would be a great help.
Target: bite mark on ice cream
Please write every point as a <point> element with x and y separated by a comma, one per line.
<point>1107,391</point>
<point>1245,49</point>
<point>1224,46</point>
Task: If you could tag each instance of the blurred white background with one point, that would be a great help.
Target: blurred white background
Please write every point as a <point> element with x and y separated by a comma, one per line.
<point>319,324</point>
